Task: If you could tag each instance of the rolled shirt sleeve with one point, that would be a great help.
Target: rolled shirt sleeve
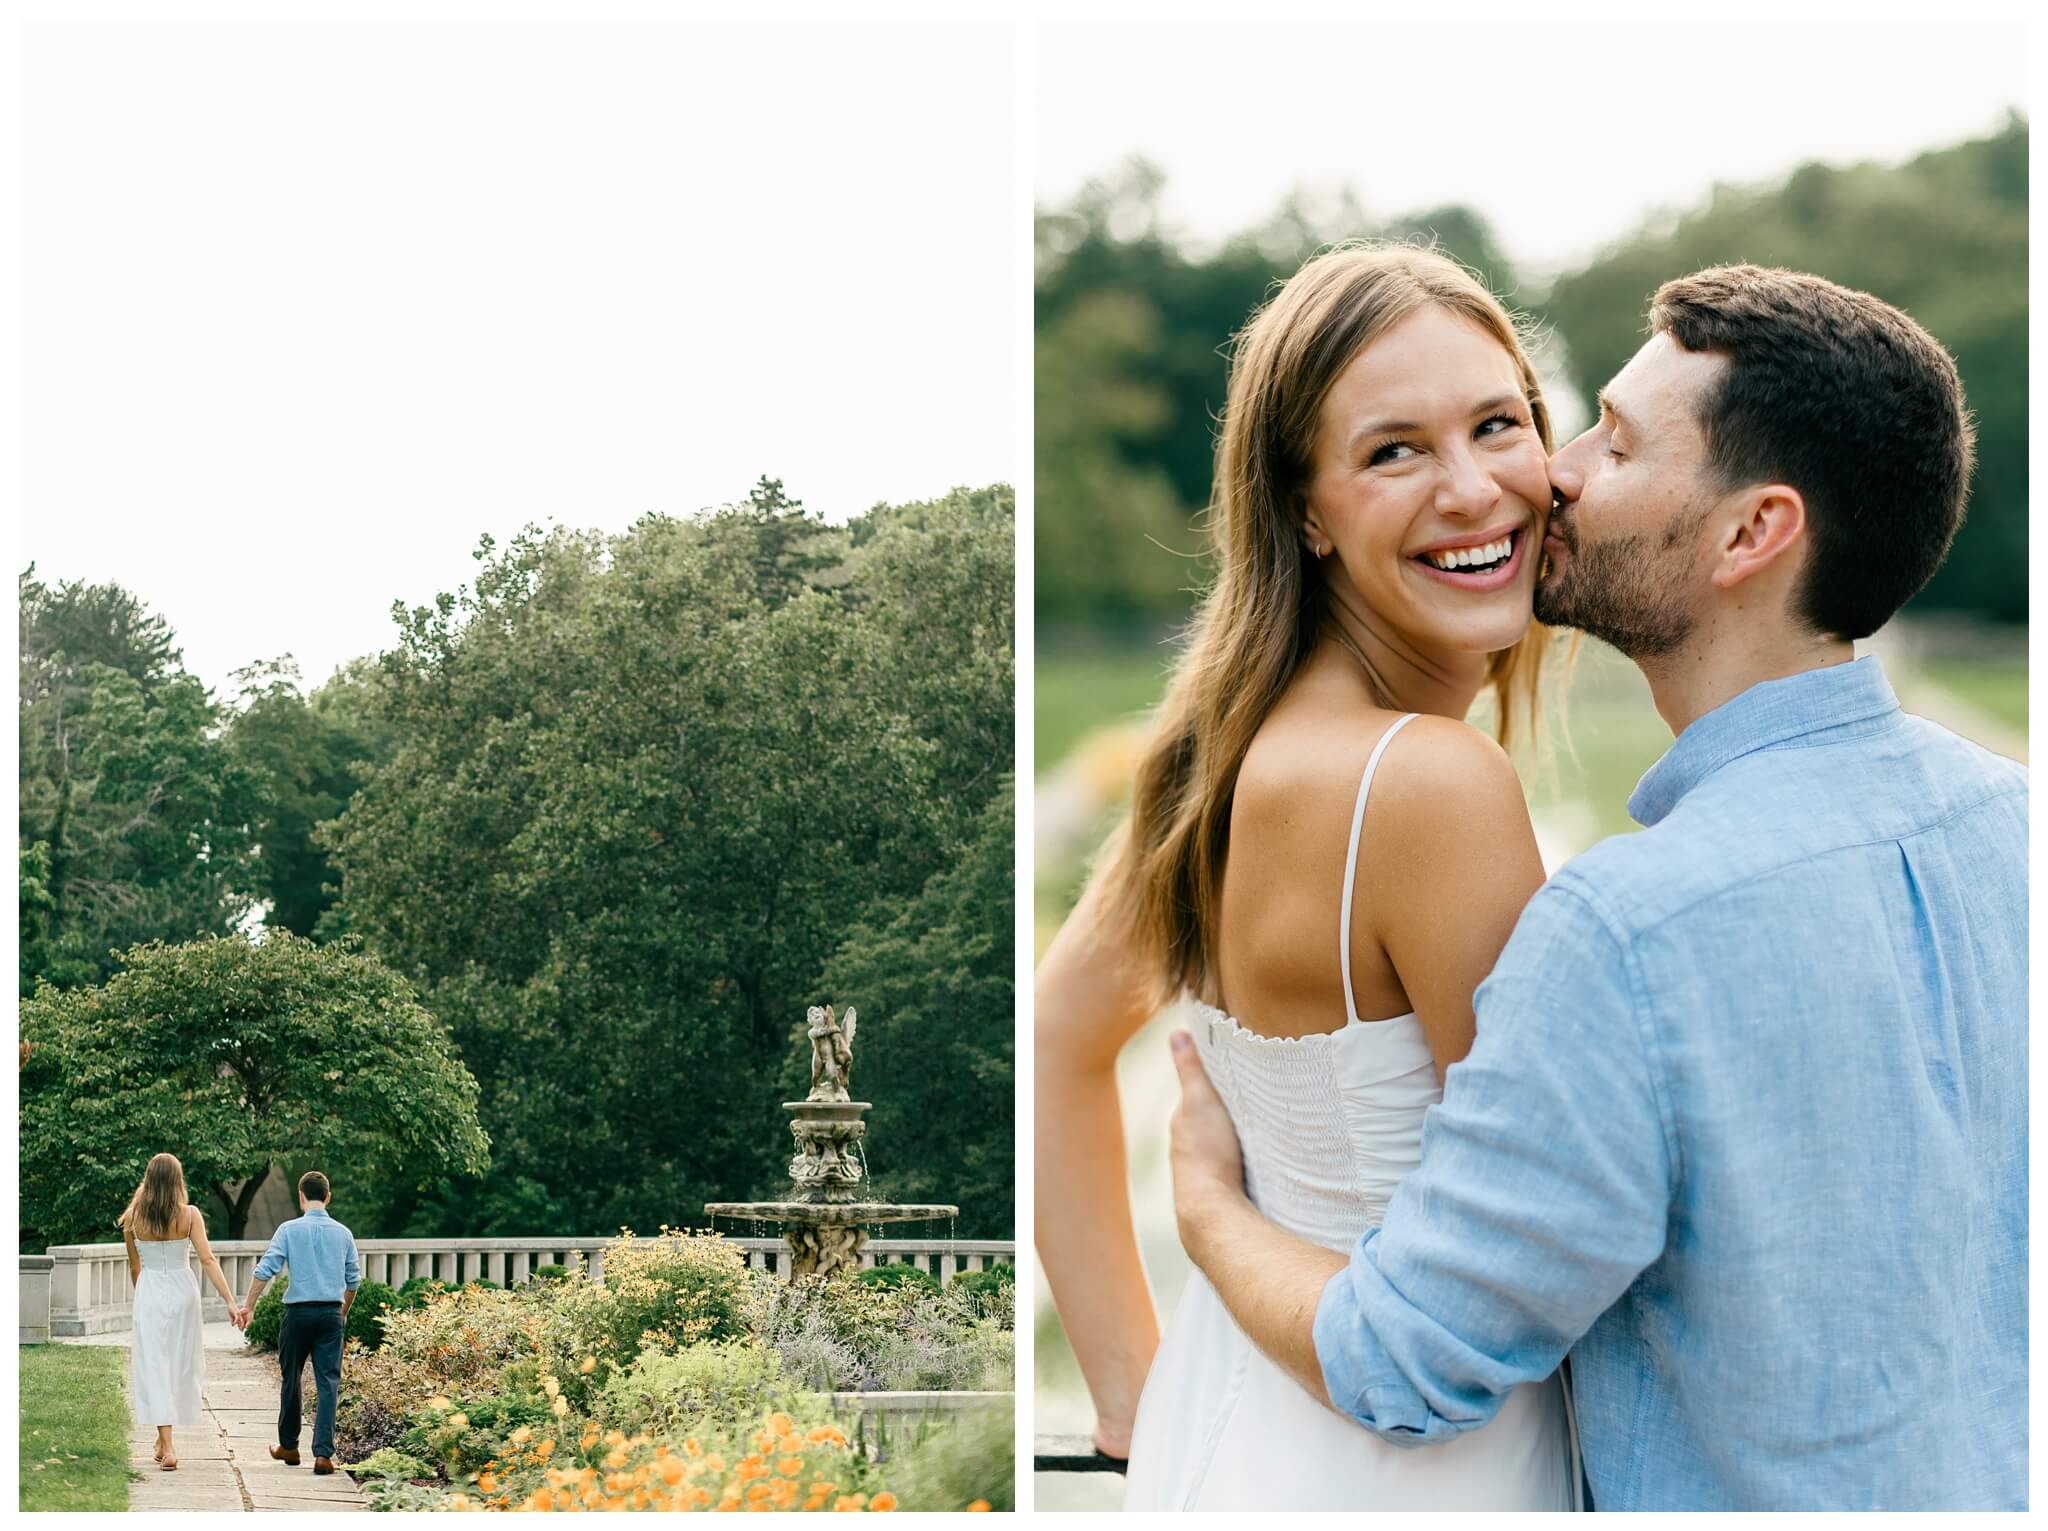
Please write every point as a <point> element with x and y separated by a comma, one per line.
<point>273,1259</point>
<point>1544,1189</point>
<point>352,1270</point>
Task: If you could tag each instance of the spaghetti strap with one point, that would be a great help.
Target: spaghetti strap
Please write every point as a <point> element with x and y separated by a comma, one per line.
<point>1372,764</point>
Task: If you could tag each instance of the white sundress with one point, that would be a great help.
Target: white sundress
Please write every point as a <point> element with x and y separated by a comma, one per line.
<point>1329,1124</point>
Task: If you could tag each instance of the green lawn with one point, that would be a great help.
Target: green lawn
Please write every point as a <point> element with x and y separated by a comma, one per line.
<point>1084,688</point>
<point>1994,686</point>
<point>74,1427</point>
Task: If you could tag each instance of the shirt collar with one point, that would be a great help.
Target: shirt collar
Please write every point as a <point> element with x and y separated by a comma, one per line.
<point>1767,714</point>
<point>316,1211</point>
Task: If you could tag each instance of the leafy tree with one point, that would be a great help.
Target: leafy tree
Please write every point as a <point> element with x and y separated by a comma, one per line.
<point>933,981</point>
<point>1943,237</point>
<point>236,1056</point>
<point>644,785</point>
<point>309,754</point>
<point>125,782</point>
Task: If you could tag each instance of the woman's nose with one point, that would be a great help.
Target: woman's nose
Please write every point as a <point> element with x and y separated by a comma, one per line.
<point>1467,488</point>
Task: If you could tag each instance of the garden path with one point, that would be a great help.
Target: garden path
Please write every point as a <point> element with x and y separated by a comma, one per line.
<point>225,1463</point>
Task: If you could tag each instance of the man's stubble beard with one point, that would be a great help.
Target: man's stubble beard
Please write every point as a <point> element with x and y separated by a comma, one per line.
<point>1627,590</point>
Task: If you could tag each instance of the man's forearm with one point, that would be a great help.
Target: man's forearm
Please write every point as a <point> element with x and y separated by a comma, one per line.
<point>255,1292</point>
<point>1270,1281</point>
<point>348,1298</point>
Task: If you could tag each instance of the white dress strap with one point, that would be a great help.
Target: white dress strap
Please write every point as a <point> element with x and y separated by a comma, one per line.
<point>1372,764</point>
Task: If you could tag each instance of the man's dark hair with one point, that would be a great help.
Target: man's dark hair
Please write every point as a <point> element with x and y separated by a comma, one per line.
<point>313,1186</point>
<point>1845,399</point>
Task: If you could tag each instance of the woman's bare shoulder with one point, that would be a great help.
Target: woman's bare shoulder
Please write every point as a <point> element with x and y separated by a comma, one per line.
<point>1305,774</point>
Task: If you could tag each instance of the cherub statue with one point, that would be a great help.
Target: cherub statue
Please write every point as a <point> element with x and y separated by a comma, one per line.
<point>831,1052</point>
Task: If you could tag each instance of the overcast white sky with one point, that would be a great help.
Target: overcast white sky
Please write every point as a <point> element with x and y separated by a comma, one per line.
<point>1563,132</point>
<point>308,305</point>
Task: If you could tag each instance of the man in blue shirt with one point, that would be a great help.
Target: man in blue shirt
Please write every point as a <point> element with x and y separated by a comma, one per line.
<point>321,1256</point>
<point>1744,1128</point>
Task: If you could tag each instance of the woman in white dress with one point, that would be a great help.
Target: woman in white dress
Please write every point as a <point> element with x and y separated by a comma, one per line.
<point>163,1232</point>
<point>1380,502</point>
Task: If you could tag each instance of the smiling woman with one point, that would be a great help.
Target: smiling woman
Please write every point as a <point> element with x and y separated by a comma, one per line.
<point>1381,485</point>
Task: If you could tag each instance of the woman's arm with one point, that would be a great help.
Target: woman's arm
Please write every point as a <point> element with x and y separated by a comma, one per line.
<point>1087,1004</point>
<point>134,1255</point>
<point>208,1261</point>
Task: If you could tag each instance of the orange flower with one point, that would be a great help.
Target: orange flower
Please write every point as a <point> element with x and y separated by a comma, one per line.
<point>690,1445</point>
<point>781,1423</point>
<point>789,1467</point>
<point>544,1450</point>
<point>979,1504</point>
<point>883,1501</point>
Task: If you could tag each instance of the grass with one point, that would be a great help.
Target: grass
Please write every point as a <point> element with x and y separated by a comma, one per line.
<point>1083,688</point>
<point>74,1427</point>
<point>1997,687</point>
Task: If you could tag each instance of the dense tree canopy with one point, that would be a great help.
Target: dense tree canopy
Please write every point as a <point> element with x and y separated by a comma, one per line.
<point>606,814</point>
<point>645,786</point>
<point>936,1052</point>
<point>237,1056</point>
<point>135,815</point>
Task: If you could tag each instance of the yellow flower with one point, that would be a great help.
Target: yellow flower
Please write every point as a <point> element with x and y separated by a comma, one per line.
<point>439,1404</point>
<point>459,1421</point>
<point>550,1386</point>
<point>523,1434</point>
<point>589,1365</point>
<point>560,1406</point>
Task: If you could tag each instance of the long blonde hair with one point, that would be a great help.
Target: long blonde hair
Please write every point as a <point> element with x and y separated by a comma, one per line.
<point>1267,608</point>
<point>157,1209</point>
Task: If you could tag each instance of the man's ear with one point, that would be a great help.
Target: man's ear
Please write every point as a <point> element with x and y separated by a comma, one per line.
<point>1760,526</point>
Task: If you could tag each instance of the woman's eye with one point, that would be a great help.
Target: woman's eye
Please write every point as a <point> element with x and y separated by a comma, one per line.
<point>1504,422</point>
<point>1385,454</point>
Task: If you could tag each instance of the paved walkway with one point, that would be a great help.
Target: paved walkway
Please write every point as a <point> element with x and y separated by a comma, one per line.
<point>225,1463</point>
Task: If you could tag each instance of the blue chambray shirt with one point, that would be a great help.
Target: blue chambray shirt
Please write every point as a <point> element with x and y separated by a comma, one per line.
<point>321,1255</point>
<point>1745,1129</point>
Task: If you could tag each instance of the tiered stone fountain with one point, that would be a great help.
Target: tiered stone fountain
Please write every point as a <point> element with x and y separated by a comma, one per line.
<point>827,1216</point>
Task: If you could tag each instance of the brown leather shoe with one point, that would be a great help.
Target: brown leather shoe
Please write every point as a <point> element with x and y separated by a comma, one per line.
<point>322,1466</point>
<point>289,1455</point>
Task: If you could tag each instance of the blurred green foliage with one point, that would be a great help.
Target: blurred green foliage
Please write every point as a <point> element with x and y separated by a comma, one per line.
<point>1134,327</point>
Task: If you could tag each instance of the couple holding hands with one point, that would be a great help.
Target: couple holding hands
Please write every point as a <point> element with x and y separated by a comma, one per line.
<point>165,1233</point>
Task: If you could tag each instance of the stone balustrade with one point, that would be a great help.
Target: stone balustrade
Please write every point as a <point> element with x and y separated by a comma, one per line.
<point>77,1289</point>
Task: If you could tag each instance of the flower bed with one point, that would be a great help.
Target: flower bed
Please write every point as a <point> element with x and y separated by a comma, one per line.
<point>683,1381</point>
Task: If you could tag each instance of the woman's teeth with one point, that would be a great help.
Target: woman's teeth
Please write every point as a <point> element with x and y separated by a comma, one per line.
<point>1475,559</point>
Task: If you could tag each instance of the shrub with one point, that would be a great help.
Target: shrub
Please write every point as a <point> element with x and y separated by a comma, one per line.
<point>420,1291</point>
<point>268,1317</point>
<point>389,1463</point>
<point>379,1394</point>
<point>663,1391</point>
<point>373,1300</point>
<point>550,1273</point>
<point>890,1277</point>
<point>485,1283</point>
<point>990,1293</point>
<point>951,1462</point>
<point>785,1462</point>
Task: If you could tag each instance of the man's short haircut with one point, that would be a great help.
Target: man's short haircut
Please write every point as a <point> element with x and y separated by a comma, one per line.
<point>313,1186</point>
<point>1842,397</point>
